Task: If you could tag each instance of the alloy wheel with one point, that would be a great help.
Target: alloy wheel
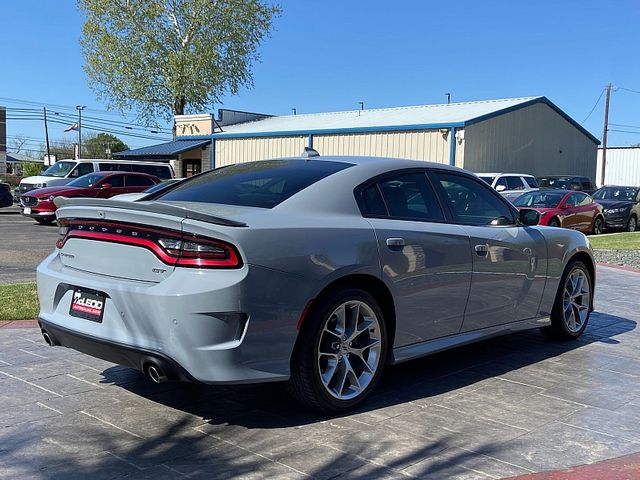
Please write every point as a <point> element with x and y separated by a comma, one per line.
<point>576,300</point>
<point>632,225</point>
<point>349,349</point>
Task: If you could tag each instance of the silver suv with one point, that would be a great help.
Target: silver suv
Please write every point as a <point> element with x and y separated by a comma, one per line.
<point>510,185</point>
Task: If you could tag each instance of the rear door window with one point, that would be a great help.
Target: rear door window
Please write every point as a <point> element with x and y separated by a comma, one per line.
<point>115,167</point>
<point>161,171</point>
<point>531,181</point>
<point>115,181</point>
<point>514,183</point>
<point>406,196</point>
<point>138,181</point>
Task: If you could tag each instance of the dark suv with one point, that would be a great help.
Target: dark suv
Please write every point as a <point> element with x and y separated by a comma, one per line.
<point>567,182</point>
<point>6,199</point>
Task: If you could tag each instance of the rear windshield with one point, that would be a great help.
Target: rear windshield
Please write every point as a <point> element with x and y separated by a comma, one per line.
<point>539,199</point>
<point>257,184</point>
<point>487,178</point>
<point>552,182</point>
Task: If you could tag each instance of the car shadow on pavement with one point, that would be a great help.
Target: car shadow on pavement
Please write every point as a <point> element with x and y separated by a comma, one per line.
<point>423,380</point>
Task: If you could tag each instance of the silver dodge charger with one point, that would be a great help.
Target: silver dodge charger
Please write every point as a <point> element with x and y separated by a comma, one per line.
<point>317,271</point>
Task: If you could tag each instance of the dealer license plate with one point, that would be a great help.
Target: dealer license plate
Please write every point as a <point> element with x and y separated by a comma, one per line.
<point>27,210</point>
<point>87,304</point>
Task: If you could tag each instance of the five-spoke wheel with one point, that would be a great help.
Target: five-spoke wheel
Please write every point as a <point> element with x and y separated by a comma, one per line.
<point>572,306</point>
<point>340,352</point>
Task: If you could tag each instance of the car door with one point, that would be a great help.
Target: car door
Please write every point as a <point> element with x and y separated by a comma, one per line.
<point>585,211</point>
<point>509,260</point>
<point>570,213</point>
<point>425,261</point>
<point>116,187</point>
<point>137,183</point>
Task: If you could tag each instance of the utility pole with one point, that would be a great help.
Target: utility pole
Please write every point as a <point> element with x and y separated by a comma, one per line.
<point>604,135</point>
<point>80,108</point>
<point>46,136</point>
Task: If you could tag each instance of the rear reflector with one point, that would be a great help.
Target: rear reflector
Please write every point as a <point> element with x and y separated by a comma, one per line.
<point>170,246</point>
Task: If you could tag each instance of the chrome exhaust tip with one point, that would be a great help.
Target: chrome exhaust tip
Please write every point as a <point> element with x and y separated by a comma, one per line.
<point>156,374</point>
<point>47,338</point>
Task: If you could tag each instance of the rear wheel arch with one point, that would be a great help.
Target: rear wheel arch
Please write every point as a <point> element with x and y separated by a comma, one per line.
<point>373,286</point>
<point>585,258</point>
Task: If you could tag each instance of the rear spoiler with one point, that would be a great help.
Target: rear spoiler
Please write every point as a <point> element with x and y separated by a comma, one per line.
<point>154,207</point>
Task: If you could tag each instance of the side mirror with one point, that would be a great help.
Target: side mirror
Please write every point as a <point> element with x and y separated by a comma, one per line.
<point>500,188</point>
<point>105,186</point>
<point>565,206</point>
<point>529,217</point>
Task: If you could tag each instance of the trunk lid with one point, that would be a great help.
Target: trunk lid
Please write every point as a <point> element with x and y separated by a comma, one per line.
<point>140,221</point>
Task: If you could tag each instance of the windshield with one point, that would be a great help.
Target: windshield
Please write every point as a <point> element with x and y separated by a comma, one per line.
<point>553,182</point>
<point>86,181</point>
<point>616,193</point>
<point>256,184</point>
<point>59,169</point>
<point>539,199</point>
<point>487,179</point>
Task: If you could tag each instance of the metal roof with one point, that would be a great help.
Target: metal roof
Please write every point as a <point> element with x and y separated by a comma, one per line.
<point>163,150</point>
<point>397,118</point>
<point>454,113</point>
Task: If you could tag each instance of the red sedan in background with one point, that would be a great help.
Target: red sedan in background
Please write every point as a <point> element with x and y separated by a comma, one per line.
<point>559,208</point>
<point>38,204</point>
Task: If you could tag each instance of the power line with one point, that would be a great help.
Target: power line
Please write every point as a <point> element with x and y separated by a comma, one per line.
<point>622,125</point>
<point>594,106</point>
<point>628,90</point>
<point>623,131</point>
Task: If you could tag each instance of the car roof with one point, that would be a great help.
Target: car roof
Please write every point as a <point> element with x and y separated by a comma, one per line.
<point>108,173</point>
<point>506,173</point>
<point>619,186</point>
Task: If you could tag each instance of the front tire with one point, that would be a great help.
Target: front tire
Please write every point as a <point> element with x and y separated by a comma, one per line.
<point>554,222</point>
<point>632,224</point>
<point>572,306</point>
<point>598,226</point>
<point>340,353</point>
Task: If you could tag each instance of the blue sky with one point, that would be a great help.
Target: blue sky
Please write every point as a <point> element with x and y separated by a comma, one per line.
<point>329,55</point>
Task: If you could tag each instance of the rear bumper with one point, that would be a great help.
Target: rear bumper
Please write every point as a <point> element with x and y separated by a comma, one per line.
<point>134,357</point>
<point>217,326</point>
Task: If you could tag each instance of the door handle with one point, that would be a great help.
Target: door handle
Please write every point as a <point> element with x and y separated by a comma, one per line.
<point>395,242</point>
<point>482,250</point>
<point>527,251</point>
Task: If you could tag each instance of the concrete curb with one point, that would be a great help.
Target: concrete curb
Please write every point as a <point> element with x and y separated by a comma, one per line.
<point>621,468</point>
<point>18,324</point>
<point>619,267</point>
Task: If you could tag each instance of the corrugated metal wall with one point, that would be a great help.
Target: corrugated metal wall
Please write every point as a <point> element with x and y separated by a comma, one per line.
<point>238,150</point>
<point>534,140</point>
<point>623,167</point>
<point>429,145</point>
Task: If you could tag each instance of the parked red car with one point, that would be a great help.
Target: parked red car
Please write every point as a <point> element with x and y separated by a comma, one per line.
<point>38,204</point>
<point>559,208</point>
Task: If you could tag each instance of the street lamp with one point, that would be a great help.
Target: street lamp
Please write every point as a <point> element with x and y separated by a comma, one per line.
<point>80,108</point>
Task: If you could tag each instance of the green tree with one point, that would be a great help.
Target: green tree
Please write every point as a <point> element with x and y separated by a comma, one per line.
<point>168,57</point>
<point>96,146</point>
<point>60,148</point>
<point>30,169</point>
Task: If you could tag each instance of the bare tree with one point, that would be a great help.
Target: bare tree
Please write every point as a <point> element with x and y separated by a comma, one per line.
<point>17,142</point>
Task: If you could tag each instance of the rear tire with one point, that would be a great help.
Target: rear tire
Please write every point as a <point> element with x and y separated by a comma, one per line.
<point>571,310</point>
<point>44,221</point>
<point>598,226</point>
<point>554,222</point>
<point>632,224</point>
<point>340,353</point>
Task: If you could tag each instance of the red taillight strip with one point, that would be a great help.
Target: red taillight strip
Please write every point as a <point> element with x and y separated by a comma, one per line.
<point>182,259</point>
<point>122,239</point>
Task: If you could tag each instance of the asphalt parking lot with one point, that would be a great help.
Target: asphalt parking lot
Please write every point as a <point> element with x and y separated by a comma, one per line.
<point>23,245</point>
<point>504,407</point>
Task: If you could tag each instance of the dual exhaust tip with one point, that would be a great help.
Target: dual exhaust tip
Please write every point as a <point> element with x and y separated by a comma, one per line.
<point>151,369</point>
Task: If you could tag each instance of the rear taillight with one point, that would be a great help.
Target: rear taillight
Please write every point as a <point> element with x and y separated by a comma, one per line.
<point>170,246</point>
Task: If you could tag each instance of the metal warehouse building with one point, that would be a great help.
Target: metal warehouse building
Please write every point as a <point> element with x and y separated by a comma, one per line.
<point>623,166</point>
<point>526,135</point>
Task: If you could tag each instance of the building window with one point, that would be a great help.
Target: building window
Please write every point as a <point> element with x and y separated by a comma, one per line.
<point>191,167</point>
